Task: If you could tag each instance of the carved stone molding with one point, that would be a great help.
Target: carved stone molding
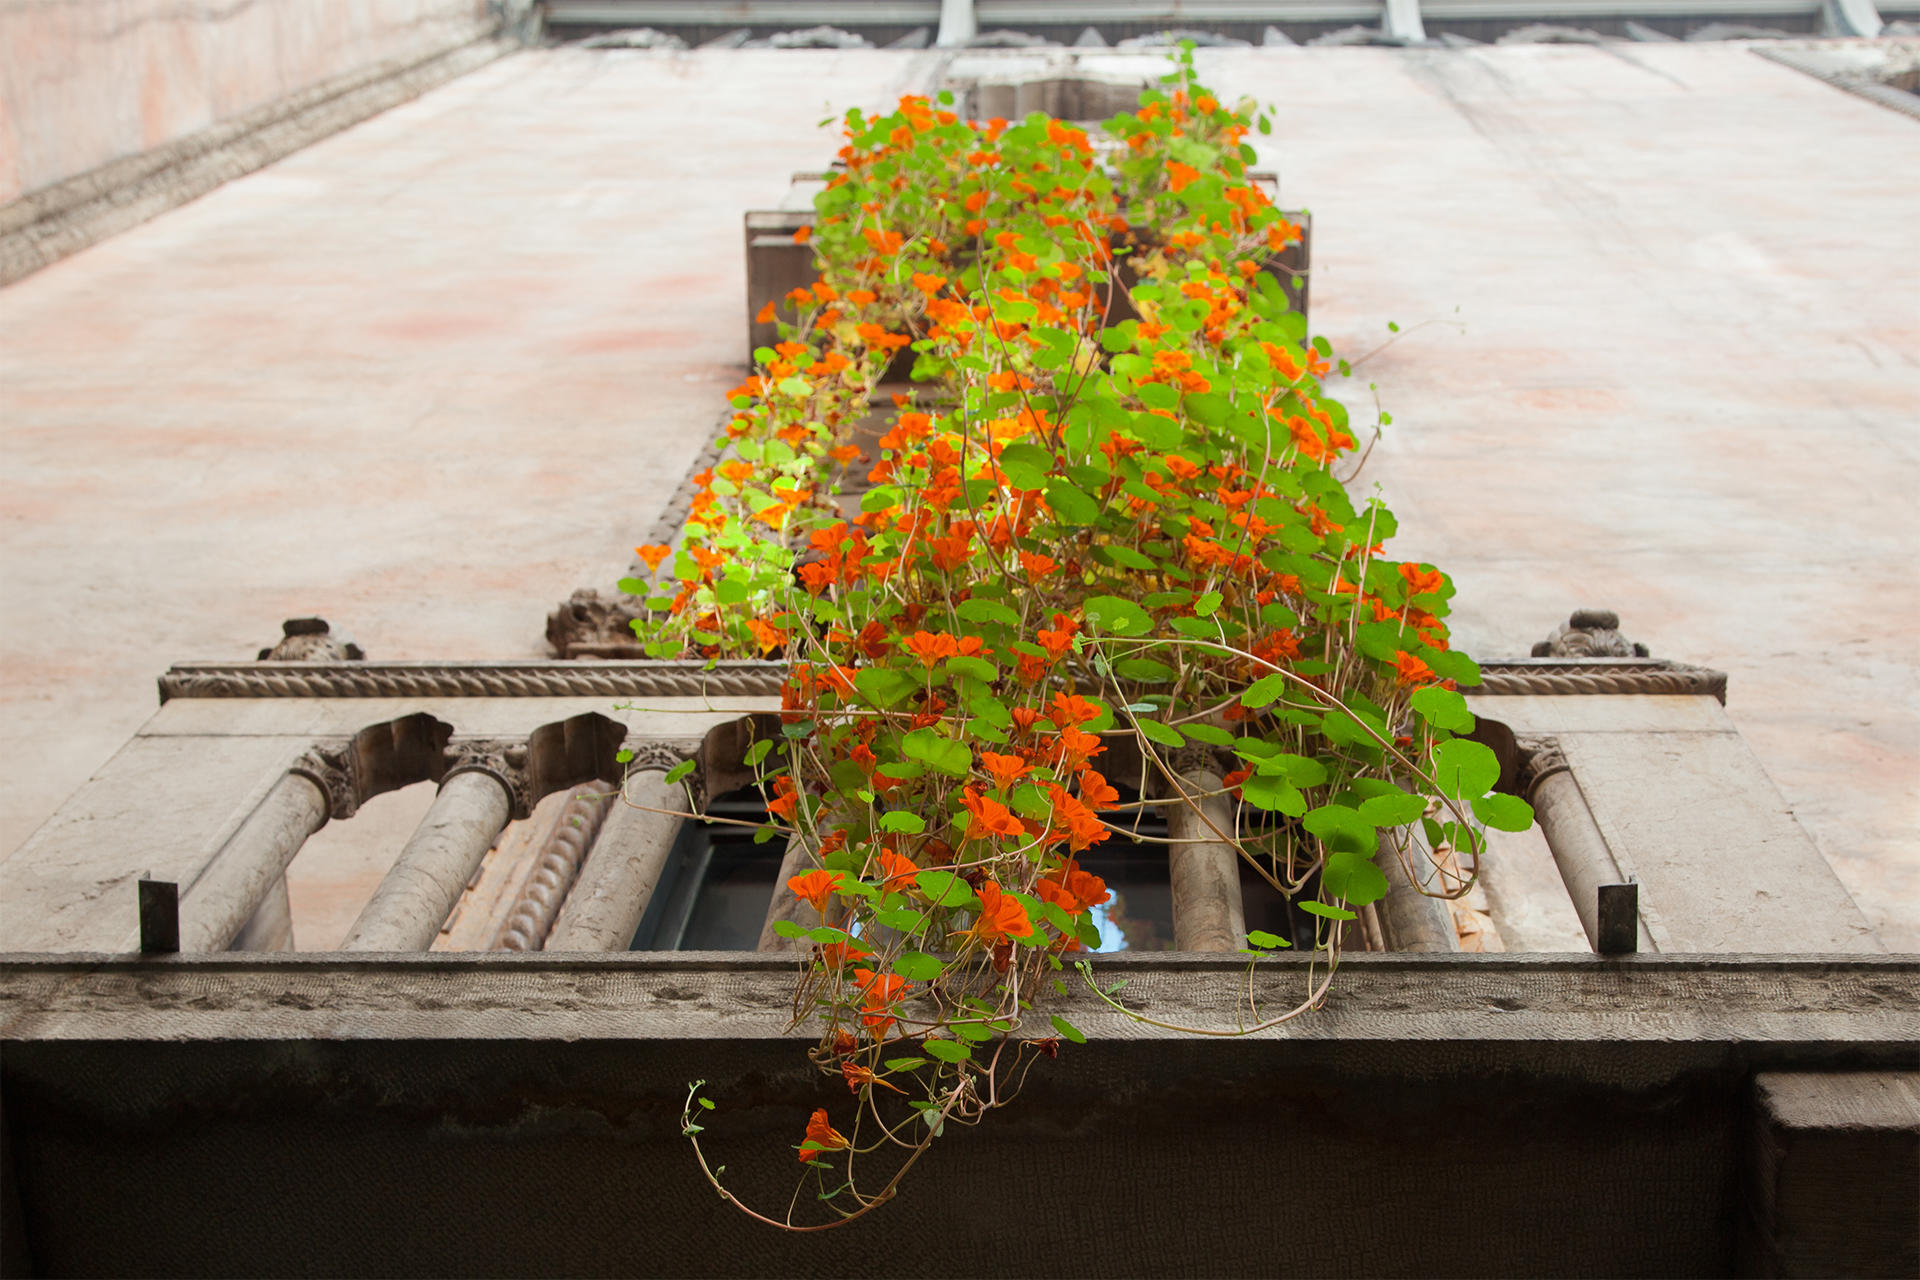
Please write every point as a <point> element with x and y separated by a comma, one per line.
<point>1550,676</point>
<point>763,679</point>
<point>1540,759</point>
<point>555,866</point>
<point>502,760</point>
<point>473,680</point>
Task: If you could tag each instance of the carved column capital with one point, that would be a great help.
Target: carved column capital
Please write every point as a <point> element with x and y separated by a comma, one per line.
<point>502,760</point>
<point>654,753</point>
<point>1540,759</point>
<point>329,766</point>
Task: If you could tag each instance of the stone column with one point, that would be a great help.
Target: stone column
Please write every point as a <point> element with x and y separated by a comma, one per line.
<point>482,789</point>
<point>270,927</point>
<point>1409,919</point>
<point>1207,911</point>
<point>785,906</point>
<point>1579,850</point>
<point>623,868</point>
<point>216,907</point>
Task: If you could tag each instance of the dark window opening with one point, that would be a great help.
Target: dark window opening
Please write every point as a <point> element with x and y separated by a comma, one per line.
<point>716,886</point>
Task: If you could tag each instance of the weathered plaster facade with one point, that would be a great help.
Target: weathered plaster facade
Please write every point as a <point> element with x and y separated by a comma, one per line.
<point>428,376</point>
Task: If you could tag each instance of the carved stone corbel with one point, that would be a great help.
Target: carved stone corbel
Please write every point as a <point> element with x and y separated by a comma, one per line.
<point>381,757</point>
<point>590,625</point>
<point>1590,633</point>
<point>312,640</point>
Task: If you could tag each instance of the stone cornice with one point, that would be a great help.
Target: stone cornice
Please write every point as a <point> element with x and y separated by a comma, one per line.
<point>618,679</point>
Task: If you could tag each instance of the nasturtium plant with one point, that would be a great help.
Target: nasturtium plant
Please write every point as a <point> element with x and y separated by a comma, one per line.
<point>1108,512</point>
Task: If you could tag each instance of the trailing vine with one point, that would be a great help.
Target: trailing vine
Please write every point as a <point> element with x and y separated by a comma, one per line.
<point>1097,560</point>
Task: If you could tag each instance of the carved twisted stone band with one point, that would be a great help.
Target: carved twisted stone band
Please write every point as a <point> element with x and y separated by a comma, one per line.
<point>473,680</point>
<point>1546,676</point>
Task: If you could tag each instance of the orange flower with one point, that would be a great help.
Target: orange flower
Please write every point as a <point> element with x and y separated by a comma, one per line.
<point>1095,792</point>
<point>1073,890</point>
<point>900,871</point>
<point>823,1136</point>
<point>928,284</point>
<point>990,817</point>
<point>881,989</point>
<point>1037,565</point>
<point>836,954</point>
<point>931,647</point>
<point>1057,641</point>
<point>859,1077</point>
<point>1422,581</point>
<point>764,315</point>
<point>653,554</point>
<point>1411,669</point>
<point>1006,770</point>
<point>816,887</point>
<point>1074,748</point>
<point>1072,709</point>
<point>1180,176</point>
<point>1000,916</point>
<point>803,235</point>
<point>1074,822</point>
<point>786,800</point>
<point>768,637</point>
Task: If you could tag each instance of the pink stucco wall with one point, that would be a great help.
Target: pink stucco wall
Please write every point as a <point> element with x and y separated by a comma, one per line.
<point>83,82</point>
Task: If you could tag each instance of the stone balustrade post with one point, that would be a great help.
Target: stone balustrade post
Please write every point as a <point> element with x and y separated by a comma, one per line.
<point>217,906</point>
<point>1207,911</point>
<point>1579,849</point>
<point>485,785</point>
<point>617,880</point>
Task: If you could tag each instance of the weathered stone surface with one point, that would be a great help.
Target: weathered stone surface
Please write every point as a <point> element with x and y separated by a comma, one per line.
<point>1721,862</point>
<point>1835,1174</point>
<point>163,805</point>
<point>1577,999</point>
<point>505,1113</point>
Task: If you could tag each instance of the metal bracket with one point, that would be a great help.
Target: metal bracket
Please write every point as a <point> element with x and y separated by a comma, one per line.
<point>1619,919</point>
<point>159,915</point>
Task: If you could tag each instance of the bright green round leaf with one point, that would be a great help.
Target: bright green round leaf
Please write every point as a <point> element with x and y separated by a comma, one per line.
<point>1465,769</point>
<point>1443,709</point>
<point>918,966</point>
<point>1354,878</point>
<point>947,1051</point>
<point>1503,812</point>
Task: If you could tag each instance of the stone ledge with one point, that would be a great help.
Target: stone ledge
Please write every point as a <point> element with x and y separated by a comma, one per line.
<point>1644,999</point>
